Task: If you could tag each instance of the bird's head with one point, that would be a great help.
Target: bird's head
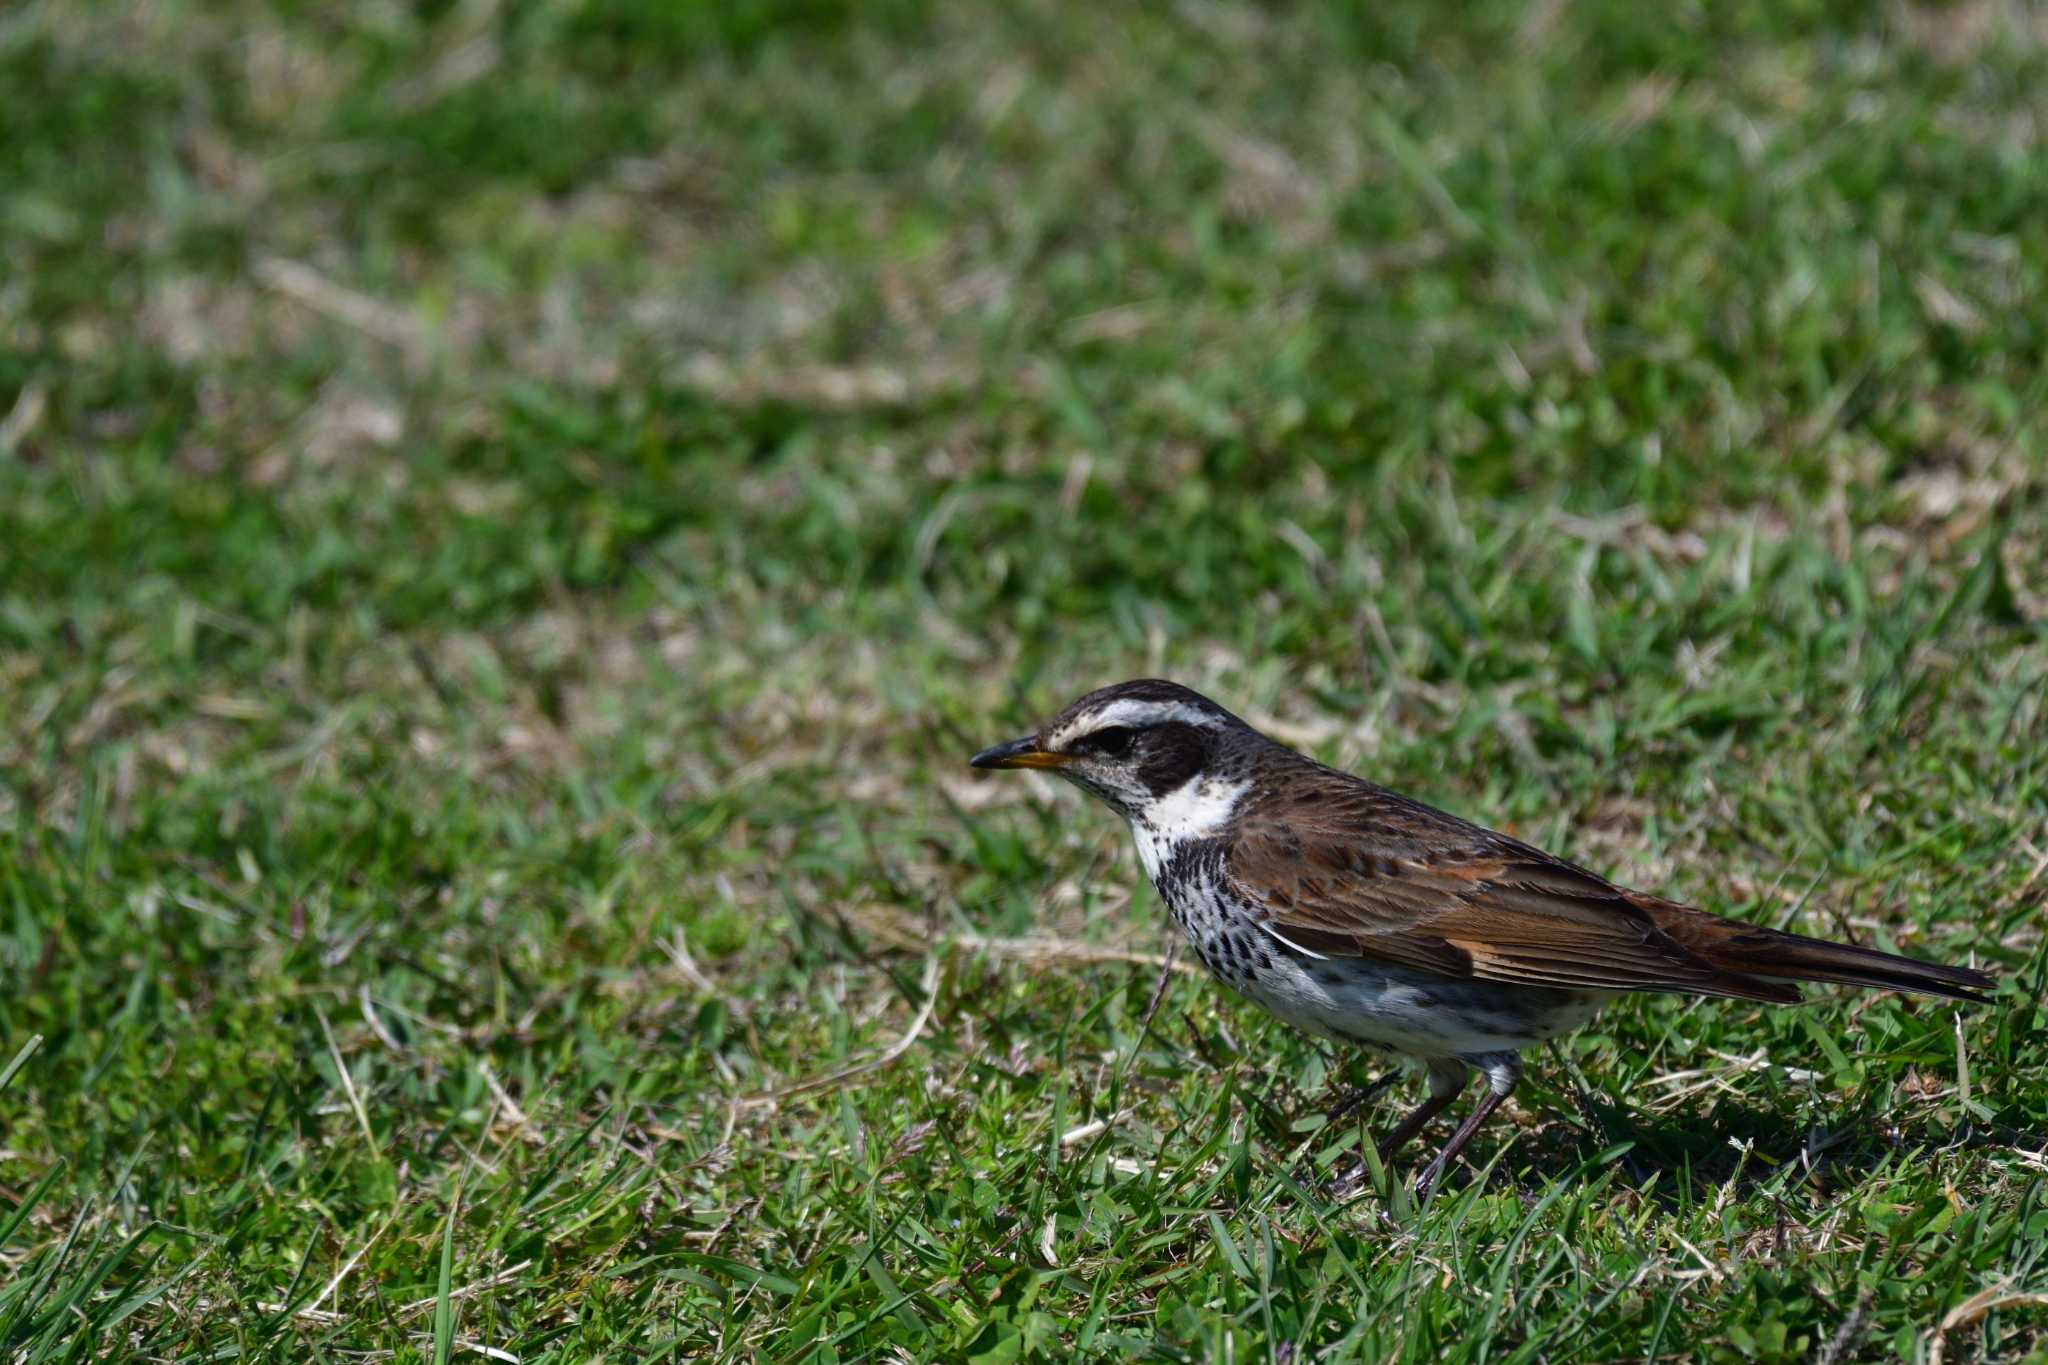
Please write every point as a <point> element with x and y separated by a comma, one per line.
<point>1132,744</point>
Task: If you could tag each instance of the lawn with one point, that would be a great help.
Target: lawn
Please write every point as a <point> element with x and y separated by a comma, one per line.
<point>514,513</point>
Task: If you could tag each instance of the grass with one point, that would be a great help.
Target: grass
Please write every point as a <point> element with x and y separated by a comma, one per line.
<point>512,516</point>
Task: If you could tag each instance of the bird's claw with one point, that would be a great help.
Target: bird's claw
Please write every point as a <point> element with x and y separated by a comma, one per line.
<point>1347,1182</point>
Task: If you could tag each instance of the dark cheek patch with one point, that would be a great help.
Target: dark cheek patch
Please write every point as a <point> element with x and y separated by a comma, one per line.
<point>1173,754</point>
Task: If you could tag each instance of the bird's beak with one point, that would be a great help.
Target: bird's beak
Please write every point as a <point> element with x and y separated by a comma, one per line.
<point>1019,753</point>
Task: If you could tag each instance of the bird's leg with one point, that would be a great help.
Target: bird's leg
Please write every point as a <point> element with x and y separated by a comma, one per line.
<point>1447,1076</point>
<point>1347,1104</point>
<point>1502,1070</point>
<point>1357,1095</point>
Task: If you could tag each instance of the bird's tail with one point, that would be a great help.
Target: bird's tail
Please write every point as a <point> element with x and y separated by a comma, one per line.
<point>1752,950</point>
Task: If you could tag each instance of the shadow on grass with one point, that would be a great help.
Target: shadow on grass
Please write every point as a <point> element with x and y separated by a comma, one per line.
<point>1679,1157</point>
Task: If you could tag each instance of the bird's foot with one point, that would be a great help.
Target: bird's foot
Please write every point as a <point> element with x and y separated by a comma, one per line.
<point>1348,1181</point>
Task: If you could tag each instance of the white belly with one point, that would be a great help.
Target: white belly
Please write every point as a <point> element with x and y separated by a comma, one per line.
<point>1395,1009</point>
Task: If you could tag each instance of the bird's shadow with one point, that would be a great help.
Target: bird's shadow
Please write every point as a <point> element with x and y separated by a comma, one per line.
<point>1674,1155</point>
<point>1727,1141</point>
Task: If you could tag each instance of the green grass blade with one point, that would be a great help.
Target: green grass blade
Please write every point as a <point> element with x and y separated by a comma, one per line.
<point>444,1305</point>
<point>21,1057</point>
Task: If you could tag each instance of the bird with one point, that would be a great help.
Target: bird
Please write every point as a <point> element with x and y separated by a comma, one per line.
<point>1366,917</point>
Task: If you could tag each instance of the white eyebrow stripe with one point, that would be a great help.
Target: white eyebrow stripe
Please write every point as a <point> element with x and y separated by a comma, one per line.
<point>1131,711</point>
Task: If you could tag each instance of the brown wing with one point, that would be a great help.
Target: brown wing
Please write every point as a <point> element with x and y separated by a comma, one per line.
<point>1344,868</point>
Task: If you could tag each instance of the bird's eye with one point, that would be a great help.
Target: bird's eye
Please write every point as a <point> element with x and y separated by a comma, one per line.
<point>1114,742</point>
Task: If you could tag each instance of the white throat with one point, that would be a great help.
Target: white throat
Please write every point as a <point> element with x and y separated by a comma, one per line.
<point>1198,808</point>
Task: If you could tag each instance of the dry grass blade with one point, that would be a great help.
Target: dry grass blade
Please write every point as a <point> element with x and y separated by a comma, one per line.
<point>929,985</point>
<point>1047,950</point>
<point>1975,1307</point>
<point>373,317</point>
<point>348,1082</point>
<point>313,1309</point>
<point>511,1108</point>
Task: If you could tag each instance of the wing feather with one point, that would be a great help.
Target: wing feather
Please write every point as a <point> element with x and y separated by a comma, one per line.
<point>1353,870</point>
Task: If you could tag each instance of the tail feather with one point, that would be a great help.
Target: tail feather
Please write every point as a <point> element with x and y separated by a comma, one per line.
<point>1752,950</point>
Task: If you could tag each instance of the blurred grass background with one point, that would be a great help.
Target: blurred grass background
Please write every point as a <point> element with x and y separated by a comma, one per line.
<point>513,512</point>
